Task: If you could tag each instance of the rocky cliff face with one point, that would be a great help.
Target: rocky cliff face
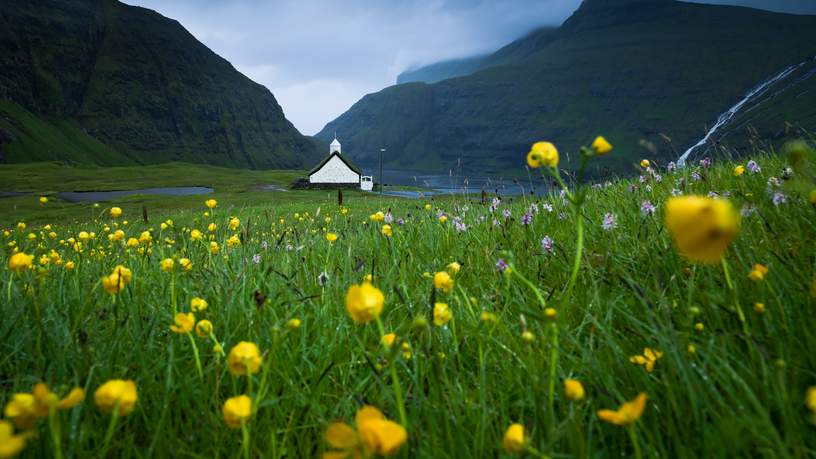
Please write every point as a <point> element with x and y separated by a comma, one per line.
<point>119,83</point>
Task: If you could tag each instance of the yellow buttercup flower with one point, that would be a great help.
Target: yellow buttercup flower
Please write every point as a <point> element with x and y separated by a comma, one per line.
<point>374,435</point>
<point>10,444</point>
<point>234,223</point>
<point>116,392</point>
<point>739,170</point>
<point>117,280</point>
<point>527,336</point>
<point>19,262</point>
<point>542,154</point>
<point>198,304</point>
<point>43,200</point>
<point>515,439</point>
<point>204,328</point>
<point>22,409</point>
<point>186,264</point>
<point>364,302</point>
<point>233,241</point>
<point>702,228</point>
<point>331,237</point>
<point>454,267</point>
<point>132,242</point>
<point>627,414</point>
<point>810,398</point>
<point>759,308</point>
<point>214,248</point>
<point>244,357</point>
<point>183,323</point>
<point>441,314</point>
<point>211,203</point>
<point>145,237</point>
<point>574,390</point>
<point>427,207</point>
<point>115,212</point>
<point>443,218</point>
<point>386,230</point>
<point>601,146</point>
<point>293,324</point>
<point>237,411</point>
<point>212,227</point>
<point>648,359</point>
<point>758,273</point>
<point>644,163</point>
<point>196,235</point>
<point>443,281</point>
<point>167,265</point>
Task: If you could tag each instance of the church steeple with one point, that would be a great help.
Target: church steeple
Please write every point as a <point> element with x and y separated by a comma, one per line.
<point>335,145</point>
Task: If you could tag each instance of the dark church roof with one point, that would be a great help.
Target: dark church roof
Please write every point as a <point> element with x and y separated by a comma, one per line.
<point>345,161</point>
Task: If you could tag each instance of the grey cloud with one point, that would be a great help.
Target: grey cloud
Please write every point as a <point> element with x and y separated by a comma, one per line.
<point>320,56</point>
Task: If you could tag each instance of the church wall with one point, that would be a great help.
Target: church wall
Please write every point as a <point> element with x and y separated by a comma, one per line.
<point>335,171</point>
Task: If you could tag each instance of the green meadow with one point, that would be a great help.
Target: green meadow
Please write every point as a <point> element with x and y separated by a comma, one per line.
<point>727,373</point>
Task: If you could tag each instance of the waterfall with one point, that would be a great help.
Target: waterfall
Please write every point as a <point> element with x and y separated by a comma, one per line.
<point>729,114</point>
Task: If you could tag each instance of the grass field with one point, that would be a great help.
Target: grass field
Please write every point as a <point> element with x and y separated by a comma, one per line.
<point>522,318</point>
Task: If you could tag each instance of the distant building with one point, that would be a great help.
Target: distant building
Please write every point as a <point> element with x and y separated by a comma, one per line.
<point>335,171</point>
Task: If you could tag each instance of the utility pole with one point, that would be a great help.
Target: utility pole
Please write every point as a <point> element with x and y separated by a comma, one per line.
<point>382,150</point>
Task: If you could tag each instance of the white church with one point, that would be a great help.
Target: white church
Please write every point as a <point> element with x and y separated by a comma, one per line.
<point>336,170</point>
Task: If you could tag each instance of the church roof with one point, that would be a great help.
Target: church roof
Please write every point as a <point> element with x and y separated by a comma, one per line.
<point>345,161</point>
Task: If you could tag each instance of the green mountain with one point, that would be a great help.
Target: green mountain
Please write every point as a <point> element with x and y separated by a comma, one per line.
<point>640,72</point>
<point>101,82</point>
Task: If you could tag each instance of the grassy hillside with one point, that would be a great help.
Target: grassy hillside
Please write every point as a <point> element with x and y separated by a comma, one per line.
<point>125,85</point>
<point>636,70</point>
<point>715,385</point>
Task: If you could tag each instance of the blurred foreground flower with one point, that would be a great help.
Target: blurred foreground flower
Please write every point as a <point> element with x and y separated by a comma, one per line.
<point>116,394</point>
<point>627,414</point>
<point>702,228</point>
<point>244,358</point>
<point>364,302</point>
<point>374,435</point>
<point>515,439</point>
<point>237,411</point>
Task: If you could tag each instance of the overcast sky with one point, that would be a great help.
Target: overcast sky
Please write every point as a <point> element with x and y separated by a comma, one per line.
<point>318,57</point>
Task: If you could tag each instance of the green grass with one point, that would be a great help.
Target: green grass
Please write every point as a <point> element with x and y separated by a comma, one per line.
<point>464,384</point>
<point>238,187</point>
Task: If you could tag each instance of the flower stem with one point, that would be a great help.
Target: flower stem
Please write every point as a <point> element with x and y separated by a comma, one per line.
<point>197,359</point>
<point>553,369</point>
<point>633,437</point>
<point>394,379</point>
<point>245,439</point>
<point>54,427</point>
<point>579,248</point>
<point>736,297</point>
<point>111,428</point>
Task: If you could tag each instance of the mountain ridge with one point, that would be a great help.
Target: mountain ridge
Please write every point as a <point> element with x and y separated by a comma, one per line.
<point>101,72</point>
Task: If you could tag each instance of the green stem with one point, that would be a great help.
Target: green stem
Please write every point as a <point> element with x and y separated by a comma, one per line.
<point>526,281</point>
<point>54,427</point>
<point>245,439</point>
<point>633,437</point>
<point>197,359</point>
<point>111,429</point>
<point>394,379</point>
<point>8,288</point>
<point>553,369</point>
<point>173,292</point>
<point>579,248</point>
<point>735,296</point>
